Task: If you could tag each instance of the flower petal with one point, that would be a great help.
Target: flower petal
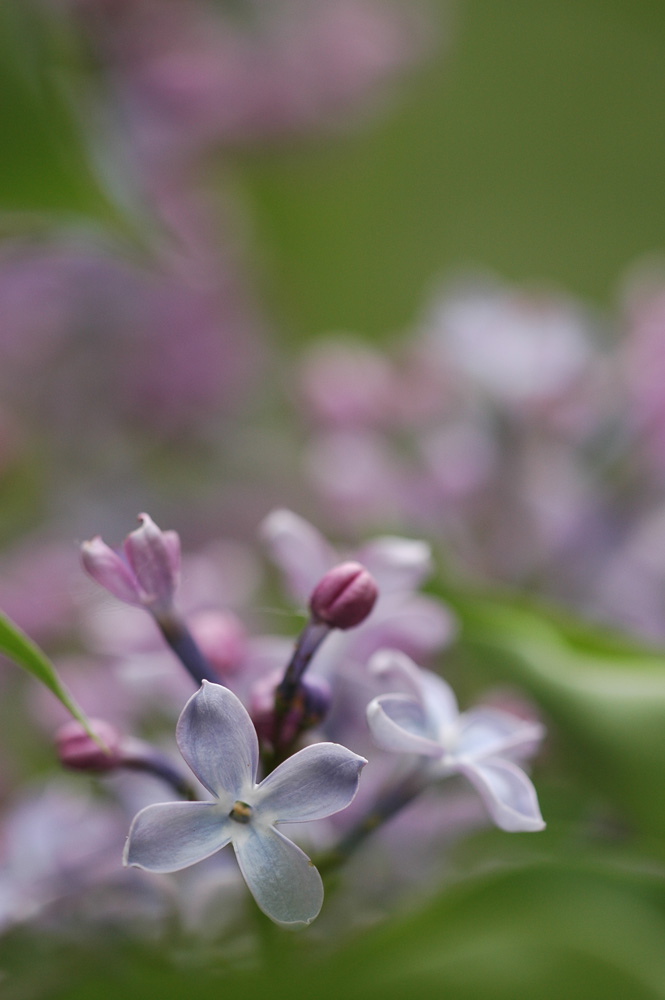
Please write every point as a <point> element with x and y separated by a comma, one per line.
<point>297,548</point>
<point>155,562</point>
<point>507,792</point>
<point>217,739</point>
<point>313,783</point>
<point>110,570</point>
<point>173,835</point>
<point>399,723</point>
<point>489,732</point>
<point>435,696</point>
<point>280,877</point>
<point>396,563</point>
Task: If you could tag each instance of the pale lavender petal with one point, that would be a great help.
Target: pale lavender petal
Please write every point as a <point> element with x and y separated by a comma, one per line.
<point>302,554</point>
<point>281,878</point>
<point>313,783</point>
<point>489,732</point>
<point>174,835</point>
<point>151,557</point>
<point>396,563</point>
<point>507,792</point>
<point>110,570</point>
<point>415,622</point>
<point>399,723</point>
<point>435,696</point>
<point>217,739</point>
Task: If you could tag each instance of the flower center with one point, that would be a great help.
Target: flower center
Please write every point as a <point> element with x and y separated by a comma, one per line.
<point>241,812</point>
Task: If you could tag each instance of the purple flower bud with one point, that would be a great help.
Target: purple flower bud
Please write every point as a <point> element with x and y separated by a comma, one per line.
<point>222,640</point>
<point>310,706</point>
<point>145,573</point>
<point>344,597</point>
<point>79,752</point>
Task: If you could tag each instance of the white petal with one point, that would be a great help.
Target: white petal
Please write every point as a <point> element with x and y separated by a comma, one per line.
<point>313,783</point>
<point>302,554</point>
<point>507,792</point>
<point>281,878</point>
<point>399,723</point>
<point>217,739</point>
<point>173,835</point>
<point>436,697</point>
<point>488,732</point>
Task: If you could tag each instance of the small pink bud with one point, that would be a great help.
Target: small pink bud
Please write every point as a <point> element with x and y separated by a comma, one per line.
<point>221,638</point>
<point>344,596</point>
<point>79,752</point>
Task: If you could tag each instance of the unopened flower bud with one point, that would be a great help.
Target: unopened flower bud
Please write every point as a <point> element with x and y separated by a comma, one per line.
<point>145,573</point>
<point>310,705</point>
<point>222,640</point>
<point>344,597</point>
<point>79,752</point>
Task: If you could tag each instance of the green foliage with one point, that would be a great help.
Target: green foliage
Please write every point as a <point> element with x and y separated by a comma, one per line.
<point>604,694</point>
<point>550,929</point>
<point>46,164</point>
<point>16,645</point>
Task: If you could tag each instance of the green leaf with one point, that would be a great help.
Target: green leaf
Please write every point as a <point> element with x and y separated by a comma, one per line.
<point>48,164</point>
<point>604,693</point>
<point>16,645</point>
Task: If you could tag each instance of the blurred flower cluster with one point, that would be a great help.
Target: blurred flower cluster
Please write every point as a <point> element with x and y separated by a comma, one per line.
<point>516,427</point>
<point>512,436</point>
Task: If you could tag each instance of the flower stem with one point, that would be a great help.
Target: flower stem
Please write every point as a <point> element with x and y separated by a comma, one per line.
<point>183,644</point>
<point>288,691</point>
<point>388,803</point>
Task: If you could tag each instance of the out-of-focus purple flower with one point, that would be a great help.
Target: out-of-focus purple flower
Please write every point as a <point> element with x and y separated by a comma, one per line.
<point>147,572</point>
<point>79,752</point>
<point>87,326</point>
<point>36,585</point>
<point>519,349</point>
<point>217,739</point>
<point>347,383</point>
<point>221,638</point>
<point>189,76</point>
<point>482,744</point>
<point>401,618</point>
<point>643,357</point>
<point>344,596</point>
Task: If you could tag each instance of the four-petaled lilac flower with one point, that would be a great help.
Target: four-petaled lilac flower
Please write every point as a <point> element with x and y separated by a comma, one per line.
<point>482,744</point>
<point>145,573</point>
<point>217,739</point>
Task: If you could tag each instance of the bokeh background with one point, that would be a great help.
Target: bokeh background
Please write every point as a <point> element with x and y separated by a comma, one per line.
<point>190,196</point>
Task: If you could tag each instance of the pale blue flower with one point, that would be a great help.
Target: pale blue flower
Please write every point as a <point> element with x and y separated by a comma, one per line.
<point>483,744</point>
<point>217,739</point>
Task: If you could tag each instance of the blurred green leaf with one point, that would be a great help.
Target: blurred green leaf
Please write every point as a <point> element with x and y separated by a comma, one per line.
<point>46,164</point>
<point>605,694</point>
<point>549,930</point>
<point>16,645</point>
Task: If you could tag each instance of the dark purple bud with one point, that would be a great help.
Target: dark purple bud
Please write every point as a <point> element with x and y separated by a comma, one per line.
<point>79,752</point>
<point>309,706</point>
<point>344,597</point>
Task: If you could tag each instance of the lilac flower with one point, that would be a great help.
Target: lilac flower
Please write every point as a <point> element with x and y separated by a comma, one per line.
<point>146,574</point>
<point>482,744</point>
<point>400,618</point>
<point>218,741</point>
